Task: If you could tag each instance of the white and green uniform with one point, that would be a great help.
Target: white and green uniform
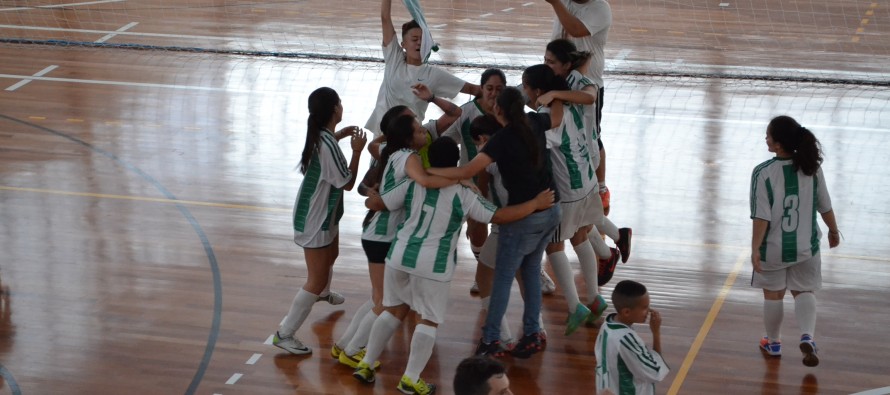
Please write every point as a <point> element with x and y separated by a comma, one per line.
<point>319,203</point>
<point>573,172</point>
<point>459,131</point>
<point>382,226</point>
<point>425,243</point>
<point>499,196</point>
<point>625,365</point>
<point>789,201</point>
<point>578,82</point>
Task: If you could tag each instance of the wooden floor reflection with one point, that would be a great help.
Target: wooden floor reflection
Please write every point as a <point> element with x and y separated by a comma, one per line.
<point>145,230</point>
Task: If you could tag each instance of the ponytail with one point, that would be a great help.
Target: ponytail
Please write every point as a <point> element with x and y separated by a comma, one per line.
<point>512,105</point>
<point>565,51</point>
<point>800,142</point>
<point>542,77</point>
<point>322,105</point>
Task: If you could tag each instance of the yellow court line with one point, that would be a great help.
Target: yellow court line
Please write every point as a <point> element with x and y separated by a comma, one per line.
<point>706,326</point>
<point>145,199</point>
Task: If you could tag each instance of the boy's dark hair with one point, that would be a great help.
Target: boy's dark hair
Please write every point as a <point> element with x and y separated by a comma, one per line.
<point>443,152</point>
<point>484,125</point>
<point>473,373</point>
<point>412,24</point>
<point>626,294</point>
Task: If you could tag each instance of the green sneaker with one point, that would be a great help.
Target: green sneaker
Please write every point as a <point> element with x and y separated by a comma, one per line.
<point>597,308</point>
<point>409,387</point>
<point>363,373</point>
<point>577,318</point>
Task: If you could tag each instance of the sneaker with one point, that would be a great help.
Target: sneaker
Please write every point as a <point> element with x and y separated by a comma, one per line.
<point>606,267</point>
<point>508,345</point>
<point>605,197</point>
<point>353,360</point>
<point>332,298</point>
<point>290,344</point>
<point>597,308</point>
<point>408,386</point>
<point>528,346</point>
<point>548,287</point>
<point>773,349</point>
<point>623,243</point>
<point>809,350</point>
<point>364,373</point>
<point>336,351</point>
<point>575,319</point>
<point>475,288</point>
<point>492,349</point>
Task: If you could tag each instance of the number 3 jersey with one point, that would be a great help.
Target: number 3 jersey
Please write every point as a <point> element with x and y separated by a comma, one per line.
<point>425,243</point>
<point>789,201</point>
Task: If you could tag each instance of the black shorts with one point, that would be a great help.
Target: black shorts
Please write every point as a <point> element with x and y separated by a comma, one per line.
<point>599,142</point>
<point>376,251</point>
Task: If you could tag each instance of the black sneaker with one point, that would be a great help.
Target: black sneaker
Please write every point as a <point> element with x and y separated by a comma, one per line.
<point>606,267</point>
<point>492,349</point>
<point>529,345</point>
<point>623,243</point>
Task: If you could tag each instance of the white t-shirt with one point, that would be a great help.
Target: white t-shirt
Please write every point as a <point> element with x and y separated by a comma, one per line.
<point>459,131</point>
<point>789,200</point>
<point>577,82</point>
<point>596,15</point>
<point>399,76</point>
<point>383,224</point>
<point>319,202</point>
<point>624,362</point>
<point>573,172</point>
<point>425,243</point>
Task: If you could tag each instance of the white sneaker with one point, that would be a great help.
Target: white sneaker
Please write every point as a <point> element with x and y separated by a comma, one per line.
<point>290,344</point>
<point>547,285</point>
<point>332,298</point>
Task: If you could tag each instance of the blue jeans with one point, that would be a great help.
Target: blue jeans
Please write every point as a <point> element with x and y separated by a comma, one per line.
<point>520,247</point>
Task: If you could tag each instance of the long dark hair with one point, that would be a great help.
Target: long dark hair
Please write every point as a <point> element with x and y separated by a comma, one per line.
<point>491,73</point>
<point>399,134</point>
<point>566,52</point>
<point>322,104</point>
<point>805,149</point>
<point>512,104</point>
<point>541,76</point>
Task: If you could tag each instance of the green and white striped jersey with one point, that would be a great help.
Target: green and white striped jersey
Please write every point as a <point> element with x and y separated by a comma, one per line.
<point>425,243</point>
<point>625,364</point>
<point>383,224</point>
<point>789,201</point>
<point>459,131</point>
<point>573,172</point>
<point>578,82</point>
<point>319,203</point>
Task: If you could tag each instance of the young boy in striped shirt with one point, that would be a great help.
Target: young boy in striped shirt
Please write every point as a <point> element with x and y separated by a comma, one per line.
<point>625,365</point>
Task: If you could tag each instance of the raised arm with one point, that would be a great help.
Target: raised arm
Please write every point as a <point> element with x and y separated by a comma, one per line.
<point>586,96</point>
<point>451,110</point>
<point>389,31</point>
<point>463,172</point>
<point>415,170</point>
<point>471,89</point>
<point>516,212</point>
<point>374,146</point>
<point>572,25</point>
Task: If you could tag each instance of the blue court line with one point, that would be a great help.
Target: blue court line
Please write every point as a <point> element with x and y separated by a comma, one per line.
<point>13,385</point>
<point>208,249</point>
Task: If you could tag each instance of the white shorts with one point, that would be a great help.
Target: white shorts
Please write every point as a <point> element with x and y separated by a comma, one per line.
<point>802,276</point>
<point>427,297</point>
<point>489,253</point>
<point>322,238</point>
<point>574,215</point>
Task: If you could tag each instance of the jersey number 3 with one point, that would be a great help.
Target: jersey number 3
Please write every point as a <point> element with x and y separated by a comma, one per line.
<point>791,217</point>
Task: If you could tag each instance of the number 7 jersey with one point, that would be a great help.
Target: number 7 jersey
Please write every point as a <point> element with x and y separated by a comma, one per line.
<point>788,200</point>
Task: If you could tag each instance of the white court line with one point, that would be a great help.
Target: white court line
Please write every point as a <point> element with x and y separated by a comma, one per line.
<point>876,391</point>
<point>253,359</point>
<point>61,5</point>
<point>486,15</point>
<point>439,26</point>
<point>234,379</point>
<point>27,80</point>
<point>507,9</point>
<point>123,29</point>
<point>528,4</point>
<point>60,29</point>
<point>269,340</point>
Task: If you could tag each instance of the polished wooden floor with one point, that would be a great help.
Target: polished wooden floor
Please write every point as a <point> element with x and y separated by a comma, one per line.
<point>145,202</point>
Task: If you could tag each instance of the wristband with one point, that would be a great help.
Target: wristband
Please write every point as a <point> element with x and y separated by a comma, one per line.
<point>430,100</point>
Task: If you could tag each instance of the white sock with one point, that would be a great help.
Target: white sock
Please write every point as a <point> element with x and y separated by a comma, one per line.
<point>476,250</point>
<point>506,333</point>
<point>327,288</point>
<point>422,343</point>
<point>361,334</point>
<point>298,312</point>
<point>773,312</point>
<point>603,187</point>
<point>485,302</point>
<point>354,324</point>
<point>609,229</point>
<point>805,312</point>
<point>565,278</point>
<point>589,269</point>
<point>599,245</point>
<point>384,326</point>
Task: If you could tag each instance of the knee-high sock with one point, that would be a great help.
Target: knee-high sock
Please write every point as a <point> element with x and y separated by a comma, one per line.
<point>773,313</point>
<point>384,326</point>
<point>805,312</point>
<point>565,277</point>
<point>609,229</point>
<point>354,324</point>
<point>476,250</point>
<point>422,343</point>
<point>485,302</point>
<point>361,334</point>
<point>589,269</point>
<point>298,312</point>
<point>599,245</point>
